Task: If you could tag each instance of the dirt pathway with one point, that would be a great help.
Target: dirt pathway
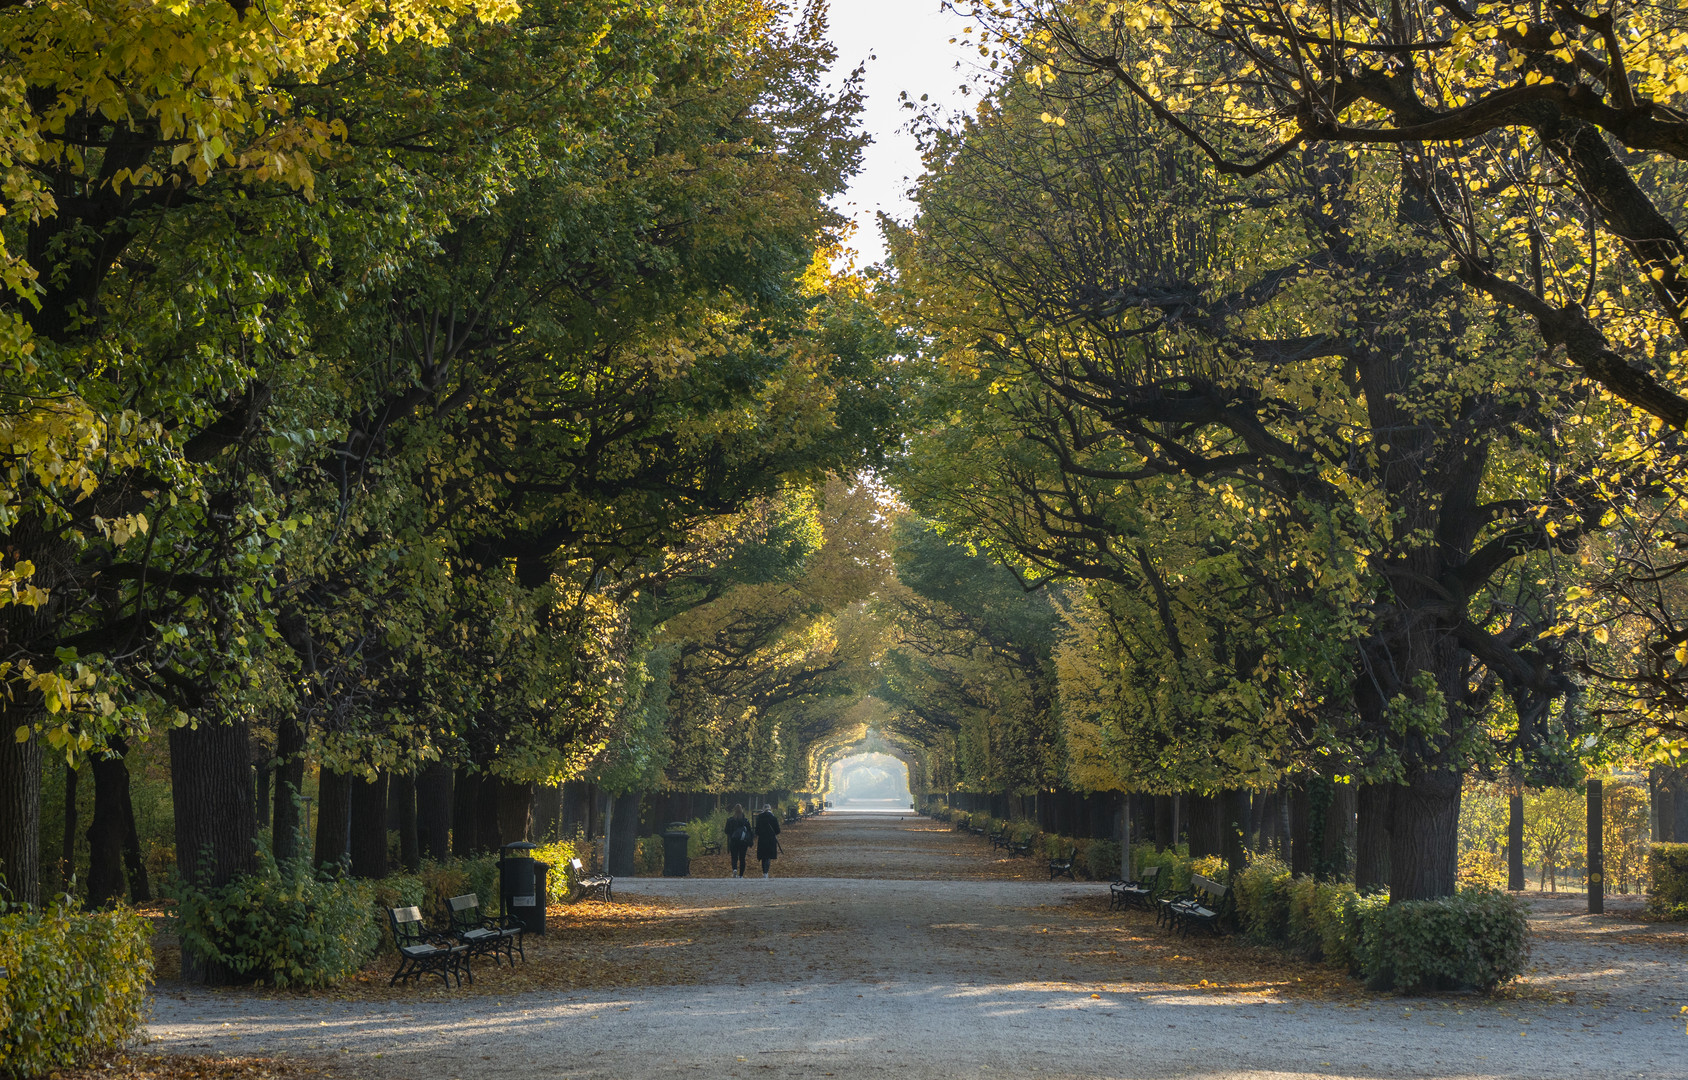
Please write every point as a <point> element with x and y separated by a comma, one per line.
<point>922,954</point>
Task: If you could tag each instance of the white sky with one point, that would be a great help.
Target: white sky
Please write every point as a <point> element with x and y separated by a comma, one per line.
<point>908,41</point>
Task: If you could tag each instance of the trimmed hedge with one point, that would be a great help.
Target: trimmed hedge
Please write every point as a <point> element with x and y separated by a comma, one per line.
<point>1097,859</point>
<point>1667,864</point>
<point>1476,938</point>
<point>77,986</point>
<point>286,925</point>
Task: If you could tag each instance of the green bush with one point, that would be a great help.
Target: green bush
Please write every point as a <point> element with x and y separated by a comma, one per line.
<point>702,830</point>
<point>1263,899</point>
<point>1667,864</point>
<point>648,857</point>
<point>77,986</point>
<point>1477,938</point>
<point>286,925</point>
<point>1175,864</point>
<point>397,890</point>
<point>1099,859</point>
<point>557,855</point>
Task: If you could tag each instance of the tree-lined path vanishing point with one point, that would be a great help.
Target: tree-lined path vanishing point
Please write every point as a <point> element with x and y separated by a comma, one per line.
<point>896,947</point>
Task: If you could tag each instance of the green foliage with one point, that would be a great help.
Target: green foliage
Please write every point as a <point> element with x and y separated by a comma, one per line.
<point>557,856</point>
<point>1175,864</point>
<point>1667,864</point>
<point>1263,899</point>
<point>77,985</point>
<point>647,860</point>
<point>286,925</point>
<point>398,890</point>
<point>1475,938</point>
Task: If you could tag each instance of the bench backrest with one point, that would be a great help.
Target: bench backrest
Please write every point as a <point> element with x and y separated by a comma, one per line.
<point>1151,874</point>
<point>465,910</point>
<point>1207,885</point>
<point>407,925</point>
<point>577,866</point>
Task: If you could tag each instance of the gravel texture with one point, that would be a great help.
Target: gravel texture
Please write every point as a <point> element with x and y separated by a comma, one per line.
<point>923,954</point>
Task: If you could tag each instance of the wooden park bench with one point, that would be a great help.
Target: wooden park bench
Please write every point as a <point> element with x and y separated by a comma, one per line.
<point>588,884</point>
<point>485,936</point>
<point>999,838</point>
<point>426,952</point>
<point>1137,894</point>
<point>710,847</point>
<point>1206,905</point>
<point>1057,867</point>
<point>1018,848</point>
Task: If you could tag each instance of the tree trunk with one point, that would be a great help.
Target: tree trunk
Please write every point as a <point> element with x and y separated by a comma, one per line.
<point>140,888</point>
<point>106,832</point>
<point>401,804</point>
<point>490,837</point>
<point>515,811</point>
<point>263,773</point>
<point>1163,822</point>
<point>67,842</point>
<point>1339,833</point>
<point>20,814</point>
<point>624,835</point>
<point>576,815</point>
<point>433,811</point>
<point>285,840</point>
<point>368,837</point>
<point>1371,837</point>
<point>1206,826</point>
<point>547,805</point>
<point>1679,804</point>
<point>1234,823</point>
<point>334,816</point>
<point>1300,830</point>
<point>1515,840</point>
<point>465,813</point>
<point>216,829</point>
<point>1266,822</point>
<point>1596,846</point>
<point>1424,838</point>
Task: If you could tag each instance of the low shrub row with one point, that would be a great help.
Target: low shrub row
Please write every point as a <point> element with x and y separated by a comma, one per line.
<point>76,986</point>
<point>1097,859</point>
<point>291,924</point>
<point>1668,865</point>
<point>1476,938</point>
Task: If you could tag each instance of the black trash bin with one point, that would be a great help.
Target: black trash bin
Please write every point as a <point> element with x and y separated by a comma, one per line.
<point>675,861</point>
<point>521,885</point>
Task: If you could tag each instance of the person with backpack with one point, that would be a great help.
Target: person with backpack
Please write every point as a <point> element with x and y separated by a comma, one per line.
<point>739,834</point>
<point>767,837</point>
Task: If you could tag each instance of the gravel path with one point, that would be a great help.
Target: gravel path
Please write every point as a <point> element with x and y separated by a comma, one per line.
<point>954,967</point>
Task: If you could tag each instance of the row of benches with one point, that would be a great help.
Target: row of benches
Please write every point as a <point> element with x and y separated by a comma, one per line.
<point>1206,904</point>
<point>1000,839</point>
<point>448,952</point>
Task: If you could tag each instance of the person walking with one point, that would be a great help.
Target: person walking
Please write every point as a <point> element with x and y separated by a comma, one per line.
<point>739,835</point>
<point>767,837</point>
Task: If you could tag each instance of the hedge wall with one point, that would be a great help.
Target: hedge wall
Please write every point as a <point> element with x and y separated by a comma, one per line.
<point>1476,938</point>
<point>76,986</point>
<point>1668,865</point>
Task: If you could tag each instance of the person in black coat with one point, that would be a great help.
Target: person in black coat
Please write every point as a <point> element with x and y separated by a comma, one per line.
<point>767,837</point>
<point>739,835</point>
